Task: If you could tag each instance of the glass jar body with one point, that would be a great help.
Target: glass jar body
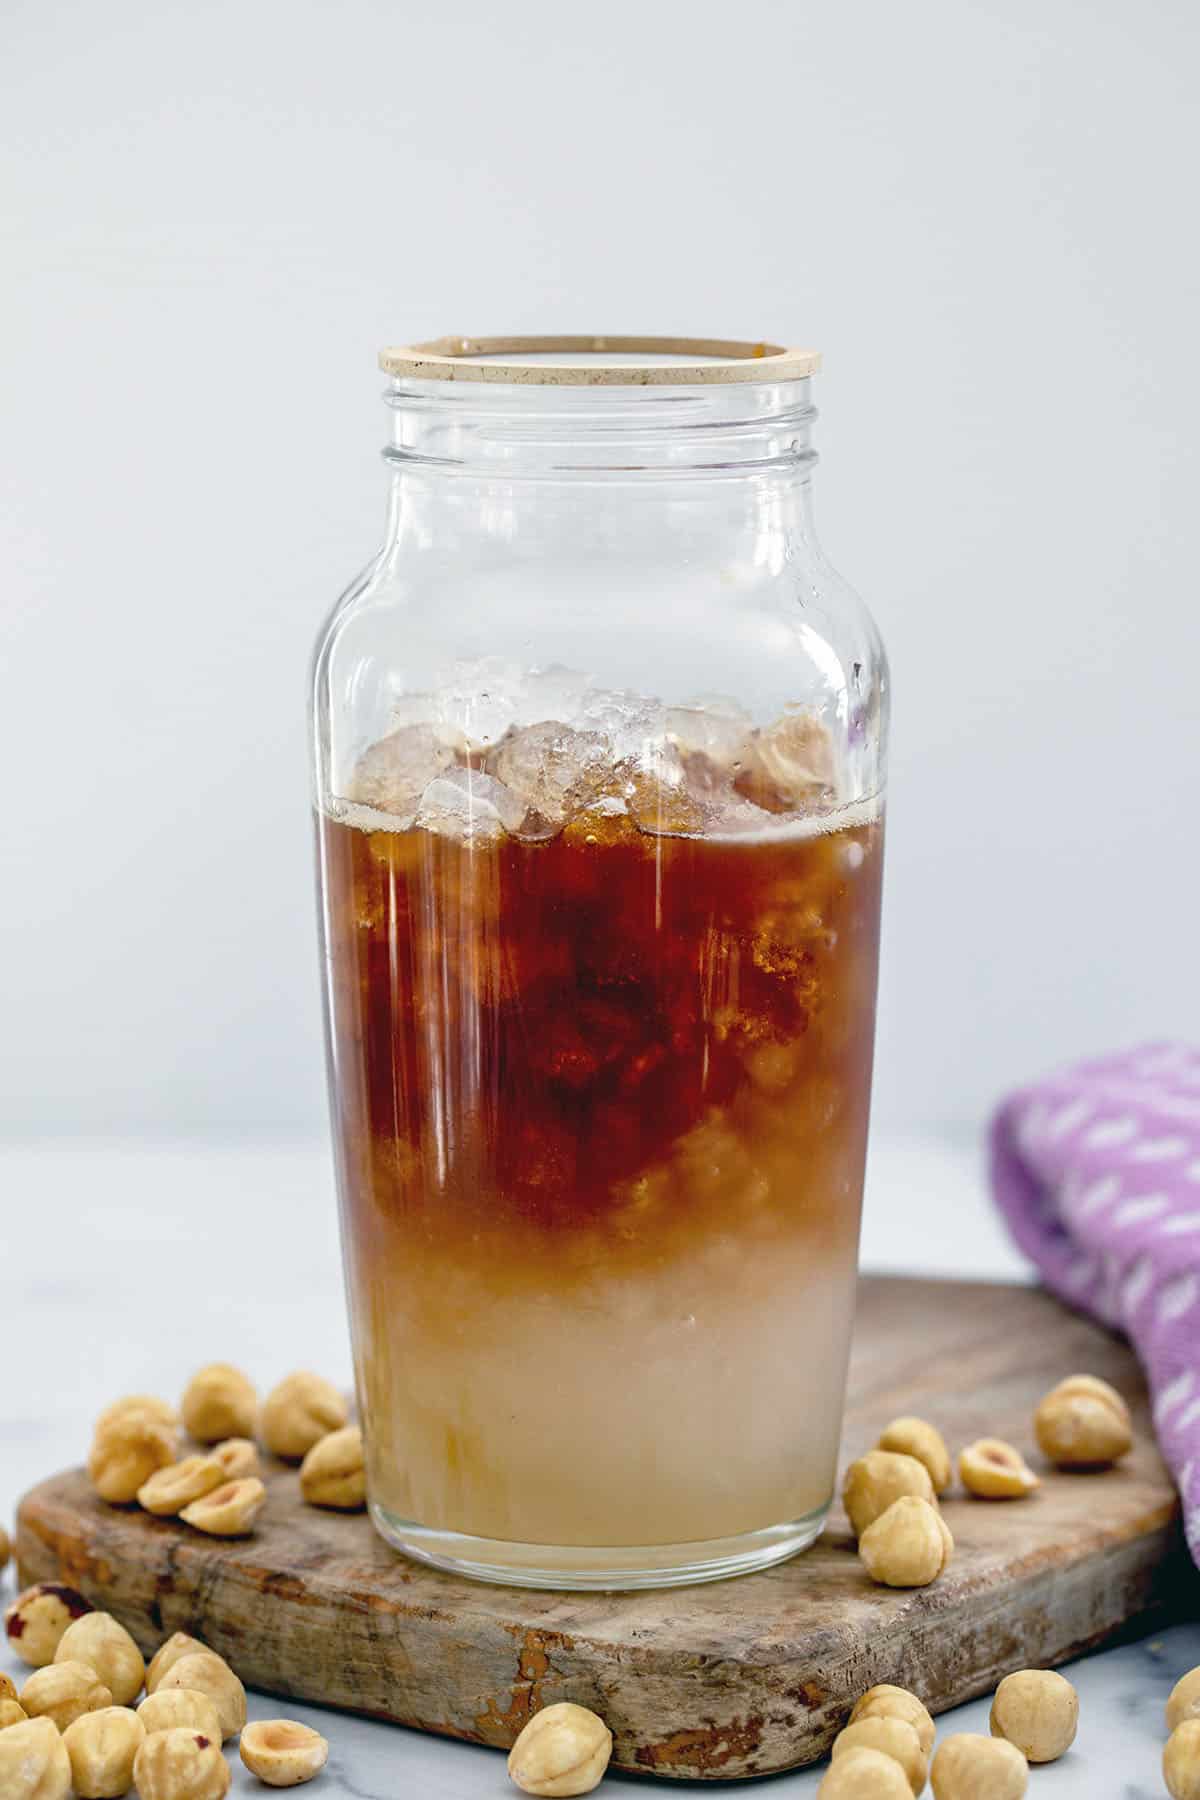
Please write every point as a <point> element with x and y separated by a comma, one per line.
<point>599,744</point>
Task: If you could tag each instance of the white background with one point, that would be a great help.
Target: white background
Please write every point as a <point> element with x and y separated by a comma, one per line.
<point>212,216</point>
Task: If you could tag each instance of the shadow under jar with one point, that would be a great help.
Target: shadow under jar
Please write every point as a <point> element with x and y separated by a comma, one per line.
<point>599,747</point>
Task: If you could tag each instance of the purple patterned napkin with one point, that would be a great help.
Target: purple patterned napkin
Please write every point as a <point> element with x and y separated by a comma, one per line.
<point>1097,1171</point>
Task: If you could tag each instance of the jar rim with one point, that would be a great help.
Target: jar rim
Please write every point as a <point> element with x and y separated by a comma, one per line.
<point>503,359</point>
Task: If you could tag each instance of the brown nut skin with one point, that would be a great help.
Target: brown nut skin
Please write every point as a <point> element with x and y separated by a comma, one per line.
<point>1181,1761</point>
<point>126,1452</point>
<point>908,1436</point>
<point>563,1750</point>
<point>219,1402</point>
<point>180,1765</point>
<point>230,1510</point>
<point>876,1480</point>
<point>1184,1700</point>
<point>299,1412</point>
<point>908,1546</point>
<point>886,1701</point>
<point>238,1457</point>
<point>168,1654</point>
<point>334,1474</point>
<point>63,1692</point>
<point>1083,1424</point>
<point>180,1709</point>
<point>1038,1711</point>
<point>282,1752</point>
<point>894,1738</point>
<point>972,1767</point>
<point>98,1640</point>
<point>34,1764</point>
<point>864,1774</point>
<point>169,1490</point>
<point>207,1673</point>
<point>993,1470</point>
<point>11,1712</point>
<point>37,1619</point>
<point>102,1747</point>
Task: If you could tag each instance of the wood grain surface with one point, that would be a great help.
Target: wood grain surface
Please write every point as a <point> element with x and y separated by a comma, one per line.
<point>738,1678</point>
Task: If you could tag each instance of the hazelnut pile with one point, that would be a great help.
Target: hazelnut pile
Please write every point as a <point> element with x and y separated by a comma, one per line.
<point>891,1494</point>
<point>78,1727</point>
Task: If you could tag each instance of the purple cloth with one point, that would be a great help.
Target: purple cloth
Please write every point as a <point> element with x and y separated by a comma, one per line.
<point>1097,1172</point>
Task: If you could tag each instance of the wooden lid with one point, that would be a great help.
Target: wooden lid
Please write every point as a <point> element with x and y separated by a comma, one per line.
<point>604,361</point>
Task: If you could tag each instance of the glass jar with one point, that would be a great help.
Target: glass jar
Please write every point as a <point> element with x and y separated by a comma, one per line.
<point>599,746</point>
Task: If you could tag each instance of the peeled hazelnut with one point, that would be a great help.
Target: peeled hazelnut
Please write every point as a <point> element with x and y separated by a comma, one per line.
<point>1083,1424</point>
<point>917,1437</point>
<point>37,1619</point>
<point>888,1702</point>
<point>149,1404</point>
<point>299,1412</point>
<point>173,1709</point>
<point>179,1644</point>
<point>102,1746</point>
<point>1184,1700</point>
<point>125,1453</point>
<point>972,1767</point>
<point>219,1402</point>
<point>1181,1761</point>
<point>229,1511</point>
<point>11,1712</point>
<point>98,1640</point>
<point>204,1672</point>
<point>281,1752</point>
<point>992,1470</point>
<point>5,1547</point>
<point>1038,1711</point>
<point>181,1765</point>
<point>63,1692</point>
<point>34,1764</point>
<point>894,1738</point>
<point>864,1774</point>
<point>908,1546</point>
<point>237,1457</point>
<point>876,1480</point>
<point>564,1749</point>
<point>169,1490</point>
<point>333,1473</point>
<point>8,1687</point>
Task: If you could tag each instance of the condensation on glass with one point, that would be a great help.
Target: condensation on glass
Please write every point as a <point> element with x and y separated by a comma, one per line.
<point>599,747</point>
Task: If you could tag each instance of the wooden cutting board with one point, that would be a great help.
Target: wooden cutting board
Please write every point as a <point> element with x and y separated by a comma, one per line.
<point>738,1678</point>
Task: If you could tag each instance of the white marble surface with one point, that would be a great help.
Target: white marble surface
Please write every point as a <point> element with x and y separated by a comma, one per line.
<point>124,1266</point>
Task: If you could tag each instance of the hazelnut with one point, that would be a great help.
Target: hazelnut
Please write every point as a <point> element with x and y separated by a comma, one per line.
<point>150,1404</point>
<point>98,1640</point>
<point>299,1412</point>
<point>908,1546</point>
<point>8,1687</point>
<point>34,1764</point>
<point>281,1752</point>
<point>237,1457</point>
<point>169,1490</point>
<point>174,1709</point>
<point>5,1547</point>
<point>917,1437</point>
<point>864,1774</point>
<point>181,1765</point>
<point>11,1712</point>
<point>333,1473</point>
<point>876,1480</point>
<point>888,1702</point>
<point>564,1749</point>
<point>125,1453</point>
<point>971,1767</point>
<point>1181,1761</point>
<point>1083,1424</point>
<point>1184,1701</point>
<point>168,1654</point>
<point>204,1672</point>
<point>1038,1711</point>
<point>229,1511</point>
<point>102,1746</point>
<point>63,1692</point>
<point>894,1738</point>
<point>37,1619</point>
<point>219,1402</point>
<point>992,1470</point>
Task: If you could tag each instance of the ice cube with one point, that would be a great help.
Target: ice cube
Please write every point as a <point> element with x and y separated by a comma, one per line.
<point>791,766</point>
<point>552,771</point>
<point>718,730</point>
<point>468,806</point>
<point>393,774</point>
